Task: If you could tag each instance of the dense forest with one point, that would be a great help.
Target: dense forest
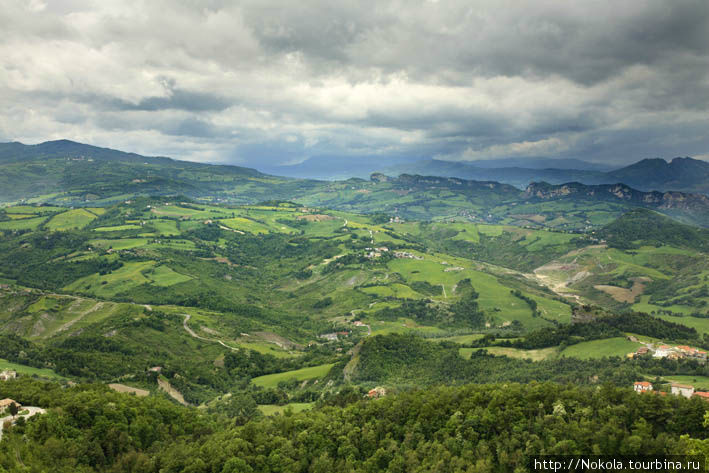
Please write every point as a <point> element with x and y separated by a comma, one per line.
<point>482,428</point>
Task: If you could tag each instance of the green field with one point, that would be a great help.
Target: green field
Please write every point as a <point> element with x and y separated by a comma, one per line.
<point>117,228</point>
<point>76,218</point>
<point>31,209</point>
<point>272,380</point>
<point>462,339</point>
<point>165,277</point>
<point>273,409</point>
<point>22,224</point>
<point>28,370</point>
<point>165,227</point>
<point>119,244</point>
<point>131,275</point>
<point>617,346</point>
<point>699,382</point>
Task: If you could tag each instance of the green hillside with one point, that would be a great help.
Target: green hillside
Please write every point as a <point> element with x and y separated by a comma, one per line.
<point>74,174</point>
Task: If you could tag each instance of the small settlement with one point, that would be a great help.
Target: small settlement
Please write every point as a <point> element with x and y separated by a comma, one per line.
<point>676,389</point>
<point>670,352</point>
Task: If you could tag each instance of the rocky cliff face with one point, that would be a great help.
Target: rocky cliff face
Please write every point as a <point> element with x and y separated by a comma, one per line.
<point>618,192</point>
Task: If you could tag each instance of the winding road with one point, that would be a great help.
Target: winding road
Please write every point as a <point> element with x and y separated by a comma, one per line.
<point>32,411</point>
<point>192,332</point>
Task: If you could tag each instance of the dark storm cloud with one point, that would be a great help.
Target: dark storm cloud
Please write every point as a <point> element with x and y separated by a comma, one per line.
<point>180,100</point>
<point>268,82</point>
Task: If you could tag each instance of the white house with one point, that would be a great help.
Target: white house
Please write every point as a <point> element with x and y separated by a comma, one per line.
<point>662,351</point>
<point>682,390</point>
<point>8,374</point>
<point>642,386</point>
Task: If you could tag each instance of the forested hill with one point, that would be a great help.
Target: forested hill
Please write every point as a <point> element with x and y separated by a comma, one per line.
<point>480,428</point>
<point>645,227</point>
<point>66,172</point>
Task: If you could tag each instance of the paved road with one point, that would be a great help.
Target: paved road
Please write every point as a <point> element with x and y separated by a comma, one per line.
<point>32,411</point>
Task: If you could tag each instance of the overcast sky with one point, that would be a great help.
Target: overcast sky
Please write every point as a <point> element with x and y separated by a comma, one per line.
<point>265,82</point>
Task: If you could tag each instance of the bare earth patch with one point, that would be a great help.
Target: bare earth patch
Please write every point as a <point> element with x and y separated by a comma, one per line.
<point>277,339</point>
<point>315,217</point>
<point>622,294</point>
<point>122,388</point>
<point>172,392</point>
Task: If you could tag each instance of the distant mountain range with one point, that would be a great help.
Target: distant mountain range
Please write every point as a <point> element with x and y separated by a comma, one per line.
<point>334,168</point>
<point>69,173</point>
<point>680,174</point>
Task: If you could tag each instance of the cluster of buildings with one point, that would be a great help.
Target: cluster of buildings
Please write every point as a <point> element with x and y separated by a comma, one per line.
<point>406,254</point>
<point>676,389</point>
<point>334,336</point>
<point>670,352</point>
<point>376,252</point>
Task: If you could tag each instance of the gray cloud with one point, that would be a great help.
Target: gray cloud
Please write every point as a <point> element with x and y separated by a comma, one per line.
<point>263,82</point>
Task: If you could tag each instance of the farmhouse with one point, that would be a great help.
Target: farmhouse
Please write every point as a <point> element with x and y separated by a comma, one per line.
<point>642,351</point>
<point>8,374</point>
<point>642,386</point>
<point>682,390</point>
<point>330,337</point>
<point>377,393</point>
<point>699,355</point>
<point>662,351</point>
<point>5,403</point>
<point>406,254</point>
<point>702,395</point>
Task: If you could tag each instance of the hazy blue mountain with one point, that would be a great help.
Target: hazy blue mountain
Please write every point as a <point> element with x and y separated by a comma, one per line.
<point>541,163</point>
<point>684,174</point>
<point>680,174</point>
<point>336,168</point>
<point>516,176</point>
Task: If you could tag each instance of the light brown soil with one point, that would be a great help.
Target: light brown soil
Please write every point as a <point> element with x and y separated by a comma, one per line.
<point>122,388</point>
<point>316,217</point>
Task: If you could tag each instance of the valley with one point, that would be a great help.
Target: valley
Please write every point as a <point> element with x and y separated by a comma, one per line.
<point>328,293</point>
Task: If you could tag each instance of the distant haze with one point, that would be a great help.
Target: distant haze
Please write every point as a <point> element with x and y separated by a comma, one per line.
<point>268,84</point>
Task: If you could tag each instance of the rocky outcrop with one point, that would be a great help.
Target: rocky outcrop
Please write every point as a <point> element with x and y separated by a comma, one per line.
<point>619,192</point>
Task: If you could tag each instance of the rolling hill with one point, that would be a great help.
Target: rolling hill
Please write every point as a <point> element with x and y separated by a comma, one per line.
<point>74,174</point>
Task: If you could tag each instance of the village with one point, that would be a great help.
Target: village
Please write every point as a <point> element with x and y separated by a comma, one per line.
<point>676,389</point>
<point>671,353</point>
<point>667,351</point>
<point>372,253</point>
